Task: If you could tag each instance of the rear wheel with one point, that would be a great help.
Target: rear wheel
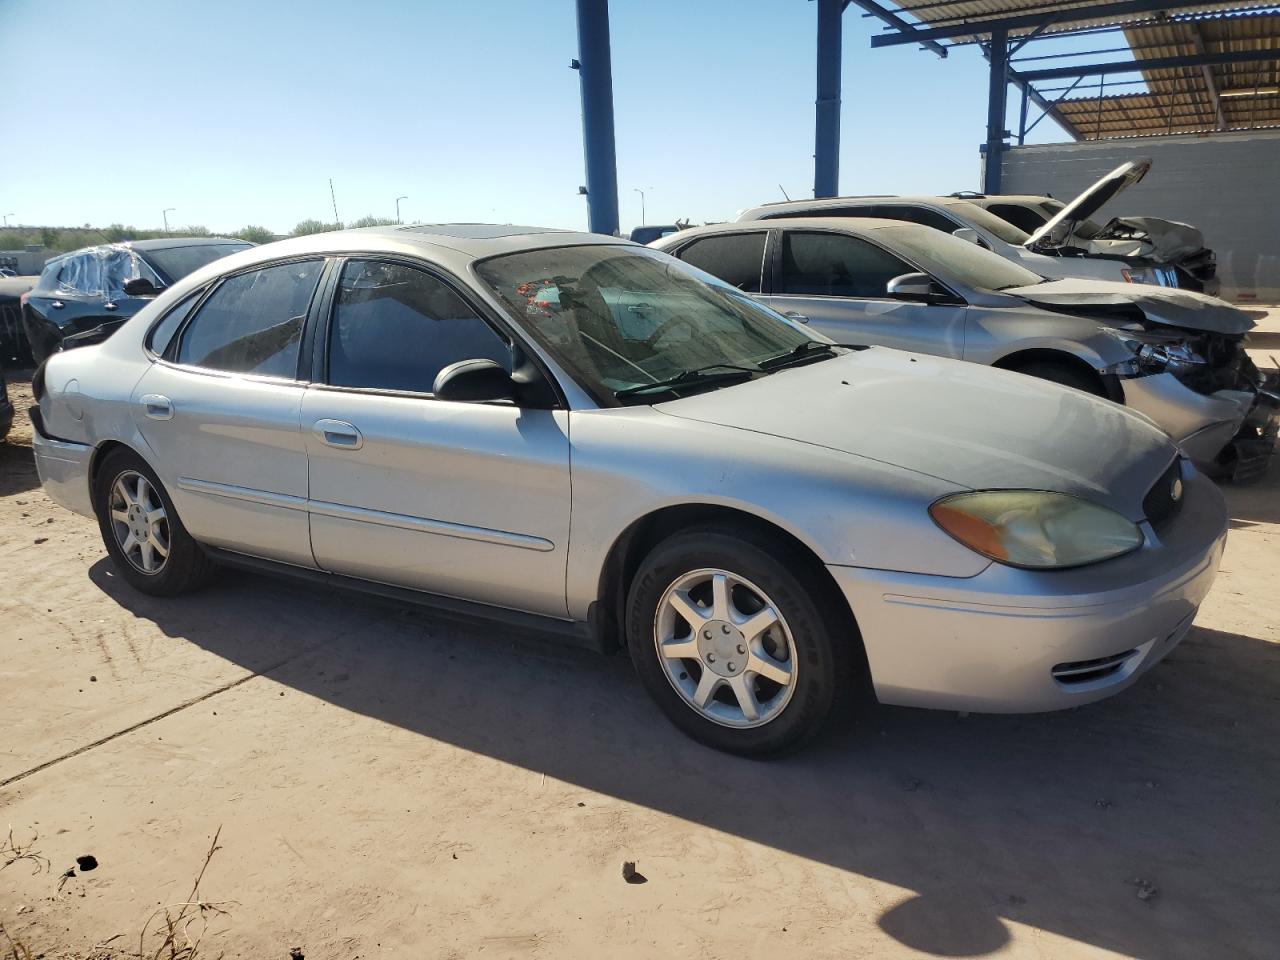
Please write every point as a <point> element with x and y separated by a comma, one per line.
<point>142,532</point>
<point>736,650</point>
<point>1066,374</point>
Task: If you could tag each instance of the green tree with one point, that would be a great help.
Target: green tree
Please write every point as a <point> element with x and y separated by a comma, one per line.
<point>370,221</point>
<point>254,234</point>
<point>307,227</point>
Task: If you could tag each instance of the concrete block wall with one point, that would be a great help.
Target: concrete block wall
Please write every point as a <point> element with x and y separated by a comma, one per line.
<point>1227,184</point>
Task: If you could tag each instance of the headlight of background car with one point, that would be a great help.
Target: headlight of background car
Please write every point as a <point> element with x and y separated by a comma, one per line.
<point>1156,355</point>
<point>1035,528</point>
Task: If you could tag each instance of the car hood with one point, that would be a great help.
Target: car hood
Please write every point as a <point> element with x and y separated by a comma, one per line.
<point>1055,232</point>
<point>1166,305</point>
<point>1170,240</point>
<point>964,423</point>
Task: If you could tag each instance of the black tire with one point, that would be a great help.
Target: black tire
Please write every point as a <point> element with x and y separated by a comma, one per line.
<point>1057,371</point>
<point>823,638</point>
<point>186,568</point>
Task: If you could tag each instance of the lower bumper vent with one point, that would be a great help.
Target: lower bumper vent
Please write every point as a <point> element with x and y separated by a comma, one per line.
<point>1088,671</point>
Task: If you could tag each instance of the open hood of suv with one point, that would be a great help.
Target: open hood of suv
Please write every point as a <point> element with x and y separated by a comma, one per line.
<point>1058,230</point>
<point>1166,305</point>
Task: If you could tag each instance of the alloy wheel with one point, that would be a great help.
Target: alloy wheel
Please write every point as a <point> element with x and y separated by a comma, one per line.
<point>139,522</point>
<point>726,648</point>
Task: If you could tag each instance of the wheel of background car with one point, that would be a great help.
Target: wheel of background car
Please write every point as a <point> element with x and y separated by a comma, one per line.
<point>736,650</point>
<point>141,530</point>
<point>1064,373</point>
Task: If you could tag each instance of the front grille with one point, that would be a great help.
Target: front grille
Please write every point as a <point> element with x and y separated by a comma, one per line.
<point>1087,671</point>
<point>1164,499</point>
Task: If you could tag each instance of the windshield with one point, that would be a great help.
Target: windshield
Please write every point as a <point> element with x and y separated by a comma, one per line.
<point>956,258</point>
<point>619,318</point>
<point>176,262</point>
<point>988,221</point>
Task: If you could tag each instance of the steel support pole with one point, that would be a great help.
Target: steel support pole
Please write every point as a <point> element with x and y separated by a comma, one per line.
<point>826,140</point>
<point>997,101</point>
<point>595,72</point>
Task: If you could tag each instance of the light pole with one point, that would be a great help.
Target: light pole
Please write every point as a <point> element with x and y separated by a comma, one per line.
<point>641,192</point>
<point>165,214</point>
<point>6,218</point>
<point>398,199</point>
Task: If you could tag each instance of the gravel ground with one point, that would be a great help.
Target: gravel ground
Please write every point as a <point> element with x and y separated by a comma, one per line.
<point>388,783</point>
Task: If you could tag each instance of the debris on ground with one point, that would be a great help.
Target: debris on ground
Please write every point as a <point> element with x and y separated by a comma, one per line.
<point>631,874</point>
<point>295,953</point>
<point>11,852</point>
<point>87,862</point>
<point>1146,890</point>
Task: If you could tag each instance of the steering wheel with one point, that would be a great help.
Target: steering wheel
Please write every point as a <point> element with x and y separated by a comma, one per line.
<point>665,327</point>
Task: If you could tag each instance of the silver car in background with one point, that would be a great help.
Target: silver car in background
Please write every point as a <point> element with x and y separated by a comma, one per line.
<point>1175,355</point>
<point>578,434</point>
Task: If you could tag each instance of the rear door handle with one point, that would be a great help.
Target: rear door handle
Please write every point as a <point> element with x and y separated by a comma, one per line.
<point>157,407</point>
<point>57,304</point>
<point>109,306</point>
<point>339,433</point>
<point>797,317</point>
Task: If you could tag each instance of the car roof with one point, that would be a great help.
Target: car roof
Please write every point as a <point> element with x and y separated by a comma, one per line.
<point>843,224</point>
<point>769,210</point>
<point>165,243</point>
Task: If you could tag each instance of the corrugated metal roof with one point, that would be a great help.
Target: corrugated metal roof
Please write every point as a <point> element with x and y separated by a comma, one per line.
<point>1187,99</point>
<point>1069,14</point>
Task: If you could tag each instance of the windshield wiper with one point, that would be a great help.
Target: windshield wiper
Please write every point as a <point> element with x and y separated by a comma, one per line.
<point>804,351</point>
<point>709,375</point>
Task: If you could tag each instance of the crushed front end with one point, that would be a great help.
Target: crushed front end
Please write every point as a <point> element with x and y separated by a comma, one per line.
<point>1206,391</point>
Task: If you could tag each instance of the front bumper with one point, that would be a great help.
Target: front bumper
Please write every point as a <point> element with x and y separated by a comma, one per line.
<point>1020,641</point>
<point>1202,425</point>
<point>63,467</point>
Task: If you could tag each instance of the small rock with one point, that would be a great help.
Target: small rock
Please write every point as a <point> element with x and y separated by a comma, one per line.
<point>455,856</point>
<point>631,874</point>
<point>295,953</point>
<point>581,804</point>
<point>24,909</point>
<point>282,693</point>
<point>93,679</point>
<point>39,540</point>
<point>87,862</point>
<point>1146,890</point>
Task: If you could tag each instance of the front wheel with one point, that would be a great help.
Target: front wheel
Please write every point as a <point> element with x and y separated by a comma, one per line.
<point>736,650</point>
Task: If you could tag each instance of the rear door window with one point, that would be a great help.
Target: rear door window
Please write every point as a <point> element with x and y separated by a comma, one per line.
<point>836,265</point>
<point>252,322</point>
<point>395,327</point>
<point>736,258</point>
<point>913,214</point>
<point>1024,218</point>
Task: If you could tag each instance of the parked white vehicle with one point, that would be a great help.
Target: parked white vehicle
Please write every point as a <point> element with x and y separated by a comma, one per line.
<point>970,221</point>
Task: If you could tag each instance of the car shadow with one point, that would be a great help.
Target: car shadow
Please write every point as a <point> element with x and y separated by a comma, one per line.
<point>1249,504</point>
<point>17,467</point>
<point>1067,822</point>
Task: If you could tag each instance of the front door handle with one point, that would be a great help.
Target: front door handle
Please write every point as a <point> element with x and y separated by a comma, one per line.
<point>339,433</point>
<point>157,407</point>
<point>109,306</point>
<point>57,304</point>
<point>797,317</point>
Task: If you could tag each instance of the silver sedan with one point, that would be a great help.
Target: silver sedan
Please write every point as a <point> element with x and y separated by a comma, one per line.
<point>1175,355</point>
<point>577,434</point>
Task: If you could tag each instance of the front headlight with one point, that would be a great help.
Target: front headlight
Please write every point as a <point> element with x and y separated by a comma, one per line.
<point>1154,354</point>
<point>1035,528</point>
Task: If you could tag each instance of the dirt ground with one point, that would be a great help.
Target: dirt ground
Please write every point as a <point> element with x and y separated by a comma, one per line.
<point>391,784</point>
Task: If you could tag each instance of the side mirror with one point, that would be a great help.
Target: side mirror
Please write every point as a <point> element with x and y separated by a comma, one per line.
<point>474,381</point>
<point>967,233</point>
<point>919,287</point>
<point>140,287</point>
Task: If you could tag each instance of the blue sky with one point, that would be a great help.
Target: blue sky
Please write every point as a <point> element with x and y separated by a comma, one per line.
<point>239,112</point>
